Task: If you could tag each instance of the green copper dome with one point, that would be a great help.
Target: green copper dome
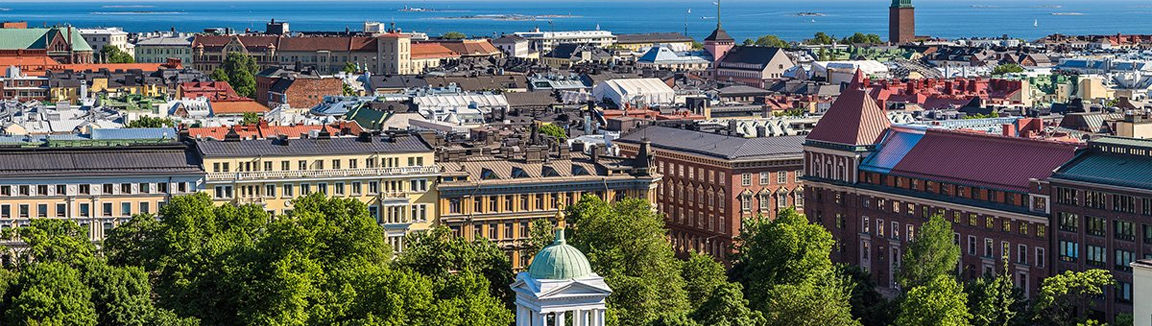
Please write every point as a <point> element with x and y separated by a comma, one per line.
<point>559,261</point>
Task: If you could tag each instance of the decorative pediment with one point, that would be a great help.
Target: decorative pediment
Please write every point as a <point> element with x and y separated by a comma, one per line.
<point>575,289</point>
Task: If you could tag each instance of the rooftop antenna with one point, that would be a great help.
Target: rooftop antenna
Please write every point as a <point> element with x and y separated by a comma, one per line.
<point>717,14</point>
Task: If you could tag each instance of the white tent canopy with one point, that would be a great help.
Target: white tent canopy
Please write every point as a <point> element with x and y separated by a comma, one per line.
<point>637,92</point>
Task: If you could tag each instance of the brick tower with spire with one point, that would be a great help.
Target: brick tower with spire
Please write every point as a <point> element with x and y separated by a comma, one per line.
<point>901,22</point>
<point>719,43</point>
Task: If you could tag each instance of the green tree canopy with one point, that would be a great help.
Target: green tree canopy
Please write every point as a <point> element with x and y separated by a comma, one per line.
<point>325,263</point>
<point>1008,68</point>
<point>822,39</point>
<point>1061,294</point>
<point>995,300</point>
<point>150,122</point>
<point>861,38</point>
<point>112,54</point>
<point>350,68</point>
<point>702,276</point>
<point>930,254</point>
<point>240,69</point>
<point>453,36</point>
<point>784,267</point>
<point>727,307</point>
<point>438,253</point>
<point>554,130</point>
<point>941,302</point>
<point>625,243</point>
<point>769,41</point>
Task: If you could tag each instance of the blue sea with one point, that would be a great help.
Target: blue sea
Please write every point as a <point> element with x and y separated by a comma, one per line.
<point>1028,19</point>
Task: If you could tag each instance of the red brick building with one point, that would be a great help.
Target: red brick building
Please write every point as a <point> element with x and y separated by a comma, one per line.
<point>901,22</point>
<point>1102,215</point>
<point>298,89</point>
<point>712,182</point>
<point>872,185</point>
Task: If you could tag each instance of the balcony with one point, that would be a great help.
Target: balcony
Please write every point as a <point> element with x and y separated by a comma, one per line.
<point>322,174</point>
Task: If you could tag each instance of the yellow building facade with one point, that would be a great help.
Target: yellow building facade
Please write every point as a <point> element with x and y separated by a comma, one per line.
<point>394,175</point>
<point>498,199</point>
<point>97,187</point>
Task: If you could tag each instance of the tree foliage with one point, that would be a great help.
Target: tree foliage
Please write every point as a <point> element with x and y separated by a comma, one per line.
<point>112,54</point>
<point>541,233</point>
<point>453,36</point>
<point>769,41</point>
<point>861,38</point>
<point>150,122</point>
<point>871,307</point>
<point>1008,68</point>
<point>939,302</point>
<point>325,263</point>
<point>239,70</point>
<point>930,254</point>
<point>440,254</point>
<point>702,276</point>
<point>625,243</point>
<point>995,300</point>
<point>1060,296</point>
<point>784,267</point>
<point>822,39</point>
<point>554,130</point>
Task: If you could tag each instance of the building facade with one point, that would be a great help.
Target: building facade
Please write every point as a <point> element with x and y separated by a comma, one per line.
<point>393,174</point>
<point>711,183</point>
<point>872,185</point>
<point>159,48</point>
<point>98,38</point>
<point>1102,213</point>
<point>484,196</point>
<point>98,187</point>
<point>382,54</point>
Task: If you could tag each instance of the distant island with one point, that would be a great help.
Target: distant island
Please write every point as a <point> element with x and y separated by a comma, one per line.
<point>509,17</point>
<point>1067,14</point>
<point>805,14</point>
<point>984,6</point>
<point>1049,6</point>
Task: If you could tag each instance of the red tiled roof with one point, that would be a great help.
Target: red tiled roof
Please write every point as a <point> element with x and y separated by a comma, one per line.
<point>432,51</point>
<point>215,91</point>
<point>237,107</point>
<point>31,65</point>
<point>263,130</point>
<point>982,160</point>
<point>471,47</point>
<point>121,66</point>
<point>854,119</point>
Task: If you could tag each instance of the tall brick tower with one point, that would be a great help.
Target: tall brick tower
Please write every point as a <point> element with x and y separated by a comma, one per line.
<point>901,22</point>
<point>719,42</point>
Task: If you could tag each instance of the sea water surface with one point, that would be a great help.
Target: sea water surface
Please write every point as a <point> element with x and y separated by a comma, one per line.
<point>790,19</point>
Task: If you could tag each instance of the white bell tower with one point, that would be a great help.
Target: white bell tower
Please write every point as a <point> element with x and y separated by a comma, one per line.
<point>560,286</point>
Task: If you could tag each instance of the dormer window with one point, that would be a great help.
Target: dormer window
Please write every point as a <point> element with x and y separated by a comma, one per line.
<point>548,171</point>
<point>518,173</point>
<point>488,174</point>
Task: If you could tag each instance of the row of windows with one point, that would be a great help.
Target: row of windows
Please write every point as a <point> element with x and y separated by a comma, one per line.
<point>945,189</point>
<point>989,250</point>
<point>1097,256</point>
<point>957,217</point>
<point>93,189</point>
<point>766,178</point>
<point>1098,226</point>
<point>682,171</point>
<point>304,165</point>
<point>85,209</point>
<point>522,202</point>
<point>1103,200</point>
<point>765,200</point>
<point>288,190</point>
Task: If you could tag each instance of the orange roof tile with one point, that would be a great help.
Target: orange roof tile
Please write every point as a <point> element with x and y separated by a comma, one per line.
<point>120,66</point>
<point>237,107</point>
<point>263,130</point>
<point>432,51</point>
<point>31,65</point>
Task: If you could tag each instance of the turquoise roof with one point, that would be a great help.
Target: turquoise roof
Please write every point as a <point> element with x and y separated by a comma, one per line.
<point>37,38</point>
<point>559,261</point>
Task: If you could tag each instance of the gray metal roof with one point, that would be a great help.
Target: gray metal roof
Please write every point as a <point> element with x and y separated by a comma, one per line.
<point>310,147</point>
<point>168,159</point>
<point>720,146</point>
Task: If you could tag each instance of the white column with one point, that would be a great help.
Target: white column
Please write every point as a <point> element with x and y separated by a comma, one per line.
<point>600,317</point>
<point>578,317</point>
<point>559,321</point>
<point>537,319</point>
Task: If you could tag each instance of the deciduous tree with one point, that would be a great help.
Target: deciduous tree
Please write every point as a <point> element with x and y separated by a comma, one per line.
<point>941,302</point>
<point>930,254</point>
